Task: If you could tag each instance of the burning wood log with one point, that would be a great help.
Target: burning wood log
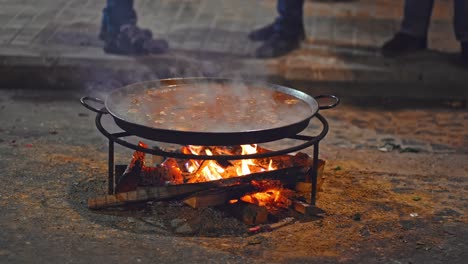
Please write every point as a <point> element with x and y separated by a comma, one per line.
<point>130,178</point>
<point>271,194</point>
<point>271,227</point>
<point>304,189</point>
<point>219,196</point>
<point>142,194</point>
<point>248,213</point>
<point>306,209</point>
<point>284,161</point>
<point>303,208</point>
<point>137,174</point>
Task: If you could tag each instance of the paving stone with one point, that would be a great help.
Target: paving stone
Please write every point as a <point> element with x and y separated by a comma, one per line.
<point>351,31</point>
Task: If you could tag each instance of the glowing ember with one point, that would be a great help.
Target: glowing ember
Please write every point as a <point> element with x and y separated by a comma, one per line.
<point>272,194</point>
<point>269,193</point>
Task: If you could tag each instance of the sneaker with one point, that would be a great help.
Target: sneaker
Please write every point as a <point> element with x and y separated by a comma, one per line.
<point>278,45</point>
<point>267,32</point>
<point>402,44</point>
<point>464,53</point>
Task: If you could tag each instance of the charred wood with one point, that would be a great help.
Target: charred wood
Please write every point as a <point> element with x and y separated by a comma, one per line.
<point>306,209</point>
<point>219,196</point>
<point>142,194</point>
<point>248,213</point>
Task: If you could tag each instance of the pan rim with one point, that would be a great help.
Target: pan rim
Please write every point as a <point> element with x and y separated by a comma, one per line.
<point>308,99</point>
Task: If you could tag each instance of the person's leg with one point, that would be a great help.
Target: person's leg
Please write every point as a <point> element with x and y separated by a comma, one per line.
<point>460,23</point>
<point>114,15</point>
<point>121,33</point>
<point>417,17</point>
<point>290,19</point>
<point>414,27</point>
<point>286,33</point>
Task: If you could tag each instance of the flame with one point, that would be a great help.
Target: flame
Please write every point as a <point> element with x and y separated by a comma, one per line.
<point>270,166</point>
<point>244,168</point>
<point>212,171</point>
<point>209,170</point>
<point>271,192</point>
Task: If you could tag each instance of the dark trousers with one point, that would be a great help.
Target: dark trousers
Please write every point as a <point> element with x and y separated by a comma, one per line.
<point>117,13</point>
<point>290,19</point>
<point>417,18</point>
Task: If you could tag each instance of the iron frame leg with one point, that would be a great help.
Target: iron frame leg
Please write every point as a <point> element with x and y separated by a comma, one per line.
<point>111,167</point>
<point>314,175</point>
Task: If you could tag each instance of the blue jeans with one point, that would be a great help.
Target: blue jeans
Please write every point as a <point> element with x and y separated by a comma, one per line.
<point>289,21</point>
<point>417,18</point>
<point>115,14</point>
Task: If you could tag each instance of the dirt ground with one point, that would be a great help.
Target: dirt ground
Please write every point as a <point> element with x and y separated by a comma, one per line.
<point>395,192</point>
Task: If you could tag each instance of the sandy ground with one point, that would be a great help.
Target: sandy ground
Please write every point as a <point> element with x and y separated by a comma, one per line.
<point>395,192</point>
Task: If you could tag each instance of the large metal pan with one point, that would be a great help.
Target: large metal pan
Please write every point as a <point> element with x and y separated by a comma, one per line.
<point>204,111</point>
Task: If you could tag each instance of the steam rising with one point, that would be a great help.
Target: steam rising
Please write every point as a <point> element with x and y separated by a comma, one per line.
<point>208,107</point>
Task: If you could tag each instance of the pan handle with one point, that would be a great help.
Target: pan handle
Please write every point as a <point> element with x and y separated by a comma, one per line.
<point>97,100</point>
<point>330,97</point>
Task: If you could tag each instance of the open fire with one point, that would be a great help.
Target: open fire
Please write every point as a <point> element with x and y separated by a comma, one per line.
<point>272,192</point>
<point>271,183</point>
<point>268,193</point>
<point>224,173</point>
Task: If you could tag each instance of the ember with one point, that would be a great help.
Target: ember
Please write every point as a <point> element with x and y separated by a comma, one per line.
<point>268,193</point>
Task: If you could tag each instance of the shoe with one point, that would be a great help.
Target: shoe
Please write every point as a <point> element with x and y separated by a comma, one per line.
<point>464,53</point>
<point>278,45</point>
<point>263,33</point>
<point>267,31</point>
<point>131,40</point>
<point>402,44</point>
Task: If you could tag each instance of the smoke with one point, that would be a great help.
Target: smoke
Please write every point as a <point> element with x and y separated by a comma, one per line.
<point>199,47</point>
<point>220,51</point>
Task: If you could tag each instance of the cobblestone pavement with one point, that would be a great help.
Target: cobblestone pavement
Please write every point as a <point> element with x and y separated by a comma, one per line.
<point>194,24</point>
<point>342,44</point>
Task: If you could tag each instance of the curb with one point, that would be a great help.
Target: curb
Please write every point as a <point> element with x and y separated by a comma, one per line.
<point>424,75</point>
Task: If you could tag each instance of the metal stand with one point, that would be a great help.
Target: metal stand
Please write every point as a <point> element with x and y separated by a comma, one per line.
<point>312,173</point>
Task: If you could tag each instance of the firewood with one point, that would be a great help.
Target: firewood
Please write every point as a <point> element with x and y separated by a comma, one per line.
<point>219,196</point>
<point>304,189</point>
<point>119,171</point>
<point>302,207</point>
<point>248,213</point>
<point>306,209</point>
<point>131,177</point>
<point>142,194</point>
<point>268,228</point>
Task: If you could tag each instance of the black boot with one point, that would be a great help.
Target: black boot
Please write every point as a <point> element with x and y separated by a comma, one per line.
<point>402,44</point>
<point>131,40</point>
<point>464,53</point>
<point>278,45</point>
<point>267,32</point>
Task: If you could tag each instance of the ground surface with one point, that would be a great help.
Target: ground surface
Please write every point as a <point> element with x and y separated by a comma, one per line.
<point>395,192</point>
